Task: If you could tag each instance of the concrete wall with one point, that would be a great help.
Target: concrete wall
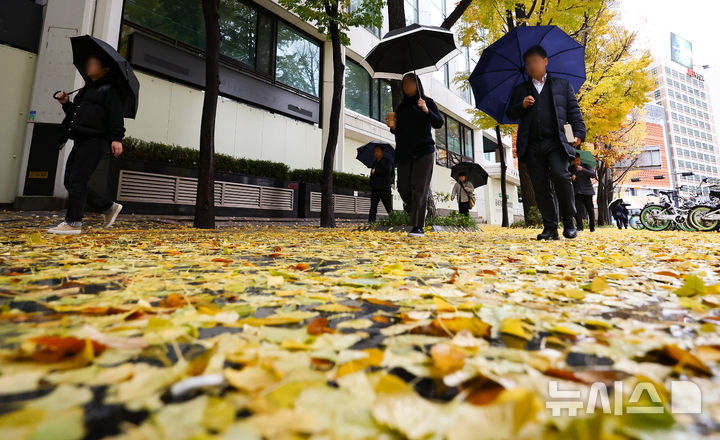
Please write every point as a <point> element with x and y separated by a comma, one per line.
<point>16,76</point>
<point>170,113</point>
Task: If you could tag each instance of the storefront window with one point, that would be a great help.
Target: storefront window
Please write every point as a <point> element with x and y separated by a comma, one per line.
<point>297,60</point>
<point>411,12</point>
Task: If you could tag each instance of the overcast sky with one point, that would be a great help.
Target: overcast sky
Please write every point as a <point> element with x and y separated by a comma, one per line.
<point>694,20</point>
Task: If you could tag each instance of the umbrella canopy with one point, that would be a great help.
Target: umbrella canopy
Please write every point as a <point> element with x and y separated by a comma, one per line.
<point>366,153</point>
<point>615,202</point>
<point>414,48</point>
<point>501,66</point>
<point>586,157</point>
<point>474,172</point>
<point>85,46</point>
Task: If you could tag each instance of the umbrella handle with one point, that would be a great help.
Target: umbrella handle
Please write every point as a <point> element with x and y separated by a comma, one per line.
<point>68,93</point>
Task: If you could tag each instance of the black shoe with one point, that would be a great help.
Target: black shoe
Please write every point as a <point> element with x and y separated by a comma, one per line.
<point>416,232</point>
<point>570,233</point>
<point>548,234</point>
<point>581,229</point>
<point>592,229</point>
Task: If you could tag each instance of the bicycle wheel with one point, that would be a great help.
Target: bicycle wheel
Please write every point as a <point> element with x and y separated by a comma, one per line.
<point>695,218</point>
<point>635,222</point>
<point>686,226</point>
<point>649,218</point>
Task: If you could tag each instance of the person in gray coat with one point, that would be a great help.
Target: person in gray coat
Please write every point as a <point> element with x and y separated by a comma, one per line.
<point>462,191</point>
<point>584,192</point>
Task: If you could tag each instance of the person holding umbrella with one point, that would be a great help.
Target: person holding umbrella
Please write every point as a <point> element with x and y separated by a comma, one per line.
<point>94,121</point>
<point>581,175</point>
<point>403,54</point>
<point>544,105</point>
<point>382,177</point>
<point>464,191</point>
<point>412,126</point>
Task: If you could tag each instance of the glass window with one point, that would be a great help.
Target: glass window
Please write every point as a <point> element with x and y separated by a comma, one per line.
<point>238,30</point>
<point>411,12</point>
<point>297,61</point>
<point>181,20</point>
<point>369,97</point>
<point>454,139</point>
<point>468,146</point>
<point>357,89</point>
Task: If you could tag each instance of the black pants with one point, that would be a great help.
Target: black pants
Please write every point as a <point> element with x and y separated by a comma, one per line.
<point>464,208</point>
<point>583,204</point>
<point>413,182</point>
<point>377,195</point>
<point>84,158</point>
<point>621,221</point>
<point>547,162</point>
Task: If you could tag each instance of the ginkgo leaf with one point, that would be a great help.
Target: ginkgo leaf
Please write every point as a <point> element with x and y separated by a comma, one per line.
<point>692,286</point>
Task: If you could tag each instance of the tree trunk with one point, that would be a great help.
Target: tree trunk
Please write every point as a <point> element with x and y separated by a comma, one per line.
<point>205,198</point>
<point>327,208</point>
<point>503,179</point>
<point>456,14</point>
<point>396,20</point>
<point>604,195</point>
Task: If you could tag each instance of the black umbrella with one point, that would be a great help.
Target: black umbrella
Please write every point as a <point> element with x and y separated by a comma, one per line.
<point>86,46</point>
<point>474,173</point>
<point>366,153</point>
<point>414,48</point>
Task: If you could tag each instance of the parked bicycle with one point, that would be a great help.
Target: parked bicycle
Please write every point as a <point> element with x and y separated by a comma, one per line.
<point>697,212</point>
<point>705,216</point>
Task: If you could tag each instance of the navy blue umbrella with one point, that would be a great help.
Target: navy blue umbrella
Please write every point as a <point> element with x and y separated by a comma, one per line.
<point>366,153</point>
<point>501,66</point>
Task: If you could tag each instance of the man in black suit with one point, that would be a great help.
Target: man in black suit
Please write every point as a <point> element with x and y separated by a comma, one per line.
<point>584,191</point>
<point>544,104</point>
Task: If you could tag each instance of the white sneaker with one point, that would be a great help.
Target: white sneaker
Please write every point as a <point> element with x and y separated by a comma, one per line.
<point>416,232</point>
<point>111,215</point>
<point>65,228</point>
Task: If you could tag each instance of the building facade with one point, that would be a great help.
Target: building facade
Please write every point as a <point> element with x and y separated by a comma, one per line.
<point>694,151</point>
<point>276,86</point>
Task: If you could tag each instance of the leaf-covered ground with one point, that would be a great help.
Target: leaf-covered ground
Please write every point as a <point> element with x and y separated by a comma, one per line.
<point>153,331</point>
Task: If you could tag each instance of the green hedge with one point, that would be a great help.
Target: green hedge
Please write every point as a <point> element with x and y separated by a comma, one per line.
<point>187,157</point>
<point>402,218</point>
<point>340,180</point>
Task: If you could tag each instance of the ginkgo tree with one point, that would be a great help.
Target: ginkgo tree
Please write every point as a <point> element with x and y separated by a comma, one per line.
<point>617,76</point>
<point>334,18</point>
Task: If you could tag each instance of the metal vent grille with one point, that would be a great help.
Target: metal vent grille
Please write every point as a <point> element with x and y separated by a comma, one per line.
<point>136,186</point>
<point>346,204</point>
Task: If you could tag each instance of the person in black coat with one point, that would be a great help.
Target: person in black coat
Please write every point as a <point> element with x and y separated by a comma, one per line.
<point>620,213</point>
<point>94,121</point>
<point>544,104</point>
<point>382,177</point>
<point>414,148</point>
<point>584,192</point>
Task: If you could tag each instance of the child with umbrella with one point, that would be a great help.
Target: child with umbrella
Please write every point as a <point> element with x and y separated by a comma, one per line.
<point>94,121</point>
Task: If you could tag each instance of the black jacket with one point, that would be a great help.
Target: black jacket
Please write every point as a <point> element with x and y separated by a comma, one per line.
<point>582,183</point>
<point>413,132</point>
<point>567,110</point>
<point>96,112</point>
<point>384,175</point>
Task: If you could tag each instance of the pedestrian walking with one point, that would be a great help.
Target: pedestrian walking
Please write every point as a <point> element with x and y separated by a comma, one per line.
<point>584,191</point>
<point>412,126</point>
<point>464,192</point>
<point>544,104</point>
<point>94,120</point>
<point>382,177</point>
<point>620,213</point>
